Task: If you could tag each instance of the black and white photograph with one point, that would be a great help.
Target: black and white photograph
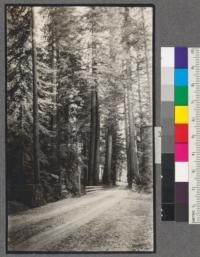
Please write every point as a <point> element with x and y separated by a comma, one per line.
<point>79,128</point>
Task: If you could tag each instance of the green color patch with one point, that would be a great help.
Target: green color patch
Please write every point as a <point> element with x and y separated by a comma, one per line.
<point>181,95</point>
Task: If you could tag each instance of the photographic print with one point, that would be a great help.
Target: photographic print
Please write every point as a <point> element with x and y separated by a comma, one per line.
<point>79,133</point>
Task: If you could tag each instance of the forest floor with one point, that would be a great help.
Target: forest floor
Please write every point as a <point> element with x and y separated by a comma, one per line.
<point>115,219</point>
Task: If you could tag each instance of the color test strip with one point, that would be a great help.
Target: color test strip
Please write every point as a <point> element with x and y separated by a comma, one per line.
<point>181,133</point>
<point>167,122</point>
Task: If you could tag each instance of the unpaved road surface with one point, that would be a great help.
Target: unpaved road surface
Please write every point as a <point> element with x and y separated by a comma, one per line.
<point>115,219</point>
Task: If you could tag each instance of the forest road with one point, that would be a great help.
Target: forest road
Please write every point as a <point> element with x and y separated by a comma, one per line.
<point>115,219</point>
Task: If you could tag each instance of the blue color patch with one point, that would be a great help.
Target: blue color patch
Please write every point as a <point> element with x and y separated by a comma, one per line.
<point>181,77</point>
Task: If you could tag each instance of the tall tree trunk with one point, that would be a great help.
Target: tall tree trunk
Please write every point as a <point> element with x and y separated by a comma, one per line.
<point>139,88</point>
<point>131,142</point>
<point>58,119</point>
<point>93,167</point>
<point>97,142</point>
<point>21,152</point>
<point>132,130</point>
<point>92,138</point>
<point>127,135</point>
<point>114,156</point>
<point>146,57</point>
<point>108,160</point>
<point>35,106</point>
<point>85,155</point>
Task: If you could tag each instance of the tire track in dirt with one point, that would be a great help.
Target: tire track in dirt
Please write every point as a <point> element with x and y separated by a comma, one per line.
<point>38,214</point>
<point>56,233</point>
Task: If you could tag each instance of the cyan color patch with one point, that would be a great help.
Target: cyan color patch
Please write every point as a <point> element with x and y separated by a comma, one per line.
<point>181,77</point>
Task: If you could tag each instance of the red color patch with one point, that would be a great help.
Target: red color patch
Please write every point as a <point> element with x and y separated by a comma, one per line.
<point>181,133</point>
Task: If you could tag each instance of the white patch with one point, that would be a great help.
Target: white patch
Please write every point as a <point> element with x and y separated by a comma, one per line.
<point>167,57</point>
<point>181,171</point>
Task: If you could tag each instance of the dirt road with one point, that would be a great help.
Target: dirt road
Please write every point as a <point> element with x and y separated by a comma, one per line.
<point>115,219</point>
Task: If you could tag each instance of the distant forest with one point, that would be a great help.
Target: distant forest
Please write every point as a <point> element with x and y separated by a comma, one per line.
<point>79,100</point>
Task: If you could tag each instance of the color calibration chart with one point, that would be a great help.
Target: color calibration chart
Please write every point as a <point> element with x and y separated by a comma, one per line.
<point>180,120</point>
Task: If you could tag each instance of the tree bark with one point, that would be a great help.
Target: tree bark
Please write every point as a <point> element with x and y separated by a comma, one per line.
<point>132,142</point>
<point>108,159</point>
<point>139,88</point>
<point>114,156</point>
<point>127,135</point>
<point>146,57</point>
<point>97,141</point>
<point>132,130</point>
<point>110,165</point>
<point>93,167</point>
<point>92,139</point>
<point>85,155</point>
<point>35,106</point>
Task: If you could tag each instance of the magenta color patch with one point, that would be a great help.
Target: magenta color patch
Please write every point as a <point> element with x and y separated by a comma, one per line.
<point>181,152</point>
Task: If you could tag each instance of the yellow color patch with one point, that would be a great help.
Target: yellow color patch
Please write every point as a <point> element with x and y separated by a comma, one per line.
<point>181,114</point>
